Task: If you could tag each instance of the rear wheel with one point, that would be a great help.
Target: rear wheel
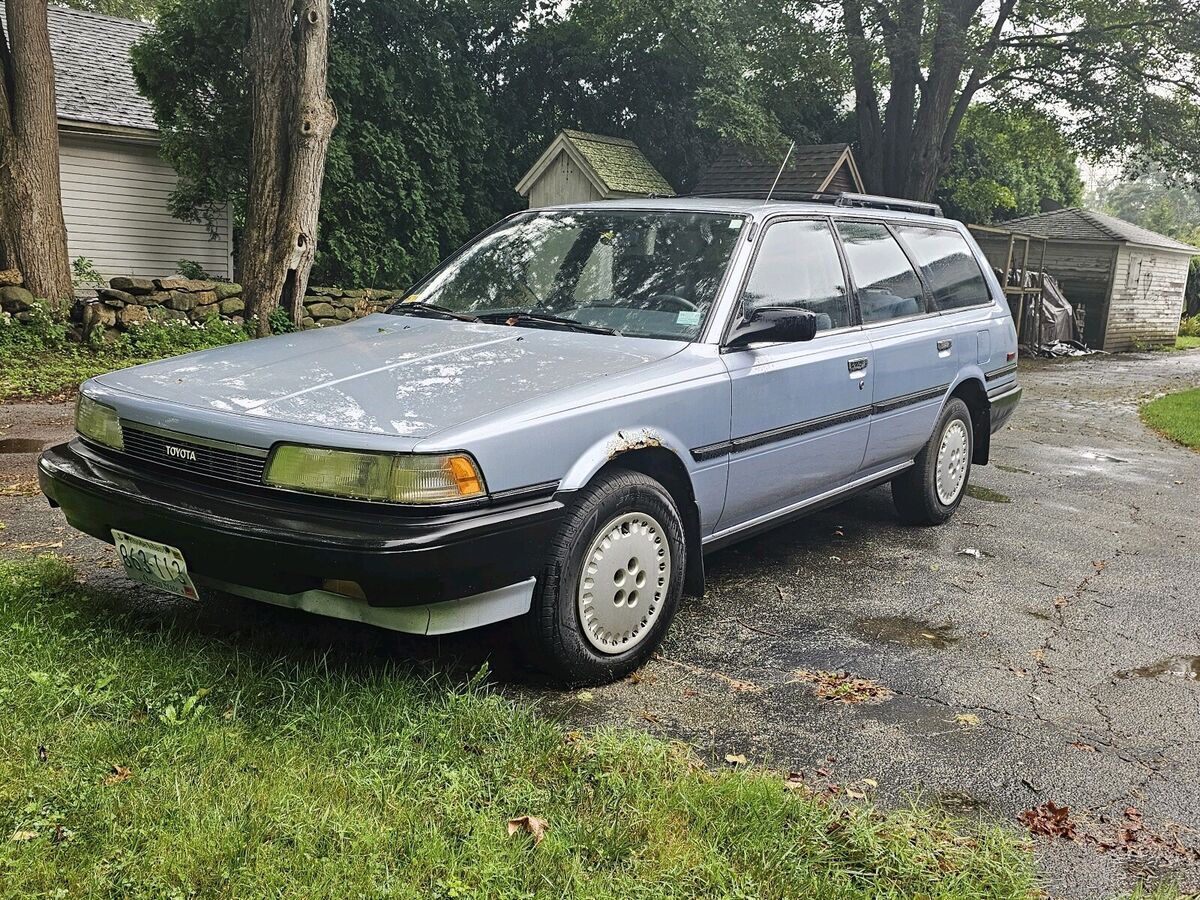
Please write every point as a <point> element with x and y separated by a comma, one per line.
<point>612,582</point>
<point>930,491</point>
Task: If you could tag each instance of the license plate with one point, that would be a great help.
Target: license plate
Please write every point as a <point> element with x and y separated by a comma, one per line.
<point>155,564</point>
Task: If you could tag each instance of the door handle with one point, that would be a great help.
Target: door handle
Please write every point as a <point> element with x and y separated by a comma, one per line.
<point>943,346</point>
<point>857,365</point>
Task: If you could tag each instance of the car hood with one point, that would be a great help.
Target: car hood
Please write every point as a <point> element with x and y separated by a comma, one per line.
<point>399,375</point>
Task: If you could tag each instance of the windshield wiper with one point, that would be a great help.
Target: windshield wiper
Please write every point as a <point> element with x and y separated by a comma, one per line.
<point>544,318</point>
<point>419,307</point>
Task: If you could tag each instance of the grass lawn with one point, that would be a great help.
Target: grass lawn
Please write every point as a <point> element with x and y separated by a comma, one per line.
<point>39,373</point>
<point>1177,416</point>
<point>1184,342</point>
<point>176,765</point>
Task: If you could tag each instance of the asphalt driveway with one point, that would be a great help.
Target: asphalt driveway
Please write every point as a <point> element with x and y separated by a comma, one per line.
<point>1043,646</point>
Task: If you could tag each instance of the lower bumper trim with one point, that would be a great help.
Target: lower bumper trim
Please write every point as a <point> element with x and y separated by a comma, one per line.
<point>447,617</point>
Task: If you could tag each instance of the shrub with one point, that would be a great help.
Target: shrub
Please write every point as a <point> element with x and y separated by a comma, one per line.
<point>1190,326</point>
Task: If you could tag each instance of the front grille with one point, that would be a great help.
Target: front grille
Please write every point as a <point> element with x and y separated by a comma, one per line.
<point>189,457</point>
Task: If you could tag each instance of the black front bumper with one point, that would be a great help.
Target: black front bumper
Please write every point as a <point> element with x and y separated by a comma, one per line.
<point>288,543</point>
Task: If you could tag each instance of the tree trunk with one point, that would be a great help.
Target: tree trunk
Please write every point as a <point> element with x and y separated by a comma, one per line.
<point>293,119</point>
<point>33,230</point>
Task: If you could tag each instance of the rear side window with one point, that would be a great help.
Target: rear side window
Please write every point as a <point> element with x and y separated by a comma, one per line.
<point>948,264</point>
<point>798,267</point>
<point>888,287</point>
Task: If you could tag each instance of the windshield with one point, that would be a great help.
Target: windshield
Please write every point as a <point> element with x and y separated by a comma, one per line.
<point>641,273</point>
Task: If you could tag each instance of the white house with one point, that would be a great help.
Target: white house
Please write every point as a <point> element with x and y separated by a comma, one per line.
<point>114,185</point>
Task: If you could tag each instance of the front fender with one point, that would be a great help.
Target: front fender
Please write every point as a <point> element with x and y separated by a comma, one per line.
<point>608,448</point>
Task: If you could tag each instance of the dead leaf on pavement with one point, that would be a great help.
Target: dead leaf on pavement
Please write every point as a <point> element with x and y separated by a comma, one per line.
<point>967,720</point>
<point>585,696</point>
<point>22,836</point>
<point>842,687</point>
<point>735,759</point>
<point>1082,747</point>
<point>37,545</point>
<point>531,825</point>
<point>22,487</point>
<point>118,774</point>
<point>1049,819</point>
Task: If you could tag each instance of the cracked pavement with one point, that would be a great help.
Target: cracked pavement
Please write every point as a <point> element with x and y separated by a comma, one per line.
<point>1057,664</point>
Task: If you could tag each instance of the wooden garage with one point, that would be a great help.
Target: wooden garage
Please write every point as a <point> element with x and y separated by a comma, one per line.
<point>1129,282</point>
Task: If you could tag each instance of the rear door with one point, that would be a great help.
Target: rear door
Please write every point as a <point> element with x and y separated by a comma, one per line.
<point>800,410</point>
<point>912,359</point>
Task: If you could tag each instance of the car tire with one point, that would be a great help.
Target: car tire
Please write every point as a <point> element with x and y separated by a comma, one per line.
<point>611,584</point>
<point>930,491</point>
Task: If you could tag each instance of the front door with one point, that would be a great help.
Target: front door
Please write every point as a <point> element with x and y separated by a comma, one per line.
<point>800,410</point>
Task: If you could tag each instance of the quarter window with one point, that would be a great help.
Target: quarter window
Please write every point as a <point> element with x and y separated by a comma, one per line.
<point>888,288</point>
<point>798,267</point>
<point>950,268</point>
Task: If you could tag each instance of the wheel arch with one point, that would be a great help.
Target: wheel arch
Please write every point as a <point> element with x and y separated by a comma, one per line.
<point>652,454</point>
<point>972,392</point>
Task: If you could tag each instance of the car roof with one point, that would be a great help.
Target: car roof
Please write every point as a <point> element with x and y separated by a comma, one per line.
<point>756,208</point>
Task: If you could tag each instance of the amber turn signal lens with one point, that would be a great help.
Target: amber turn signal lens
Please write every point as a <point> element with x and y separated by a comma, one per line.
<point>465,476</point>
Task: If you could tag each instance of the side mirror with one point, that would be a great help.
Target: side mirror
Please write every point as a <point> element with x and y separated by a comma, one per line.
<point>774,324</point>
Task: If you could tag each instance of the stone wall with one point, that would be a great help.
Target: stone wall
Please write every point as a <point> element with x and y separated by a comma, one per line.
<point>129,301</point>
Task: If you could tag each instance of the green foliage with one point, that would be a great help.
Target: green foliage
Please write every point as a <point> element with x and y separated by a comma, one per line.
<point>1190,327</point>
<point>280,321</point>
<point>1005,163</point>
<point>85,274</point>
<point>189,268</point>
<point>40,359</point>
<point>200,750</point>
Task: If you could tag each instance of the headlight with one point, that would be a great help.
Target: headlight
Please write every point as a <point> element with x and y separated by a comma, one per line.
<point>98,423</point>
<point>364,475</point>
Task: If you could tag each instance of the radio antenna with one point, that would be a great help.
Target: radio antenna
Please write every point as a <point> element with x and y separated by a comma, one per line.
<point>775,183</point>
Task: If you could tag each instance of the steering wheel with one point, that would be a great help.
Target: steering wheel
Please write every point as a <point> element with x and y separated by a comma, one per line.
<point>670,303</point>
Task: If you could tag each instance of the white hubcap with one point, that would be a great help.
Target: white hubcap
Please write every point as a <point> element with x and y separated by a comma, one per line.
<point>626,574</point>
<point>952,461</point>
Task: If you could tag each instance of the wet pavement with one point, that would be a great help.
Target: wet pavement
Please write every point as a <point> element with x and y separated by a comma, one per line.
<point>1041,647</point>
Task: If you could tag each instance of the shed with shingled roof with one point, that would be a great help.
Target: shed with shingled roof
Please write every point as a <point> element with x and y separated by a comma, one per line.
<point>579,167</point>
<point>1130,282</point>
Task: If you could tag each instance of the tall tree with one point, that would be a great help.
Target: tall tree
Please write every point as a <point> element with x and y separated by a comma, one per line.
<point>292,119</point>
<point>127,9</point>
<point>1127,72</point>
<point>31,216</point>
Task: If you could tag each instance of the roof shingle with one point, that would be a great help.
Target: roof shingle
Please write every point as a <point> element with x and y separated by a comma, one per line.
<point>93,76</point>
<point>619,164</point>
<point>739,171</point>
<point>1078,224</point>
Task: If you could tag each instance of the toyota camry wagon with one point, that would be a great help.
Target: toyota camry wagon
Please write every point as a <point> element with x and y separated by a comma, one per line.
<point>557,423</point>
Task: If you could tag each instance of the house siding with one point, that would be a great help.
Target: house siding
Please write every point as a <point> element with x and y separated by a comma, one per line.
<point>115,203</point>
<point>562,182</point>
<point>1147,298</point>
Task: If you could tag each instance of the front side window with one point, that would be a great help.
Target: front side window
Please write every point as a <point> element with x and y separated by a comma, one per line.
<point>888,288</point>
<point>798,267</point>
<point>643,273</point>
<point>948,264</point>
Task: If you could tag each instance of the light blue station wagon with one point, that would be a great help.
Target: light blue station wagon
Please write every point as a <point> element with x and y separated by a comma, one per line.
<point>559,421</point>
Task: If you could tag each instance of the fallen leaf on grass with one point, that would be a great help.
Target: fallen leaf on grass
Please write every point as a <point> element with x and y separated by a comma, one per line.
<point>43,753</point>
<point>1049,819</point>
<point>23,836</point>
<point>735,759</point>
<point>842,687</point>
<point>531,825</point>
<point>967,720</point>
<point>118,774</point>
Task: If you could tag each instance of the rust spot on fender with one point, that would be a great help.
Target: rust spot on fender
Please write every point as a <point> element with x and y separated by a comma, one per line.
<point>633,440</point>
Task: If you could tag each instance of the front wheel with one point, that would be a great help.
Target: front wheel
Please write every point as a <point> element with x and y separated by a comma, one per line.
<point>930,491</point>
<point>611,584</point>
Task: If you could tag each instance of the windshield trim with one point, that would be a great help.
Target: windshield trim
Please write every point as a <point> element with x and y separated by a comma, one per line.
<point>716,311</point>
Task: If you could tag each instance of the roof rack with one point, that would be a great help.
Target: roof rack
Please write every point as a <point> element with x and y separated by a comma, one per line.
<point>843,199</point>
